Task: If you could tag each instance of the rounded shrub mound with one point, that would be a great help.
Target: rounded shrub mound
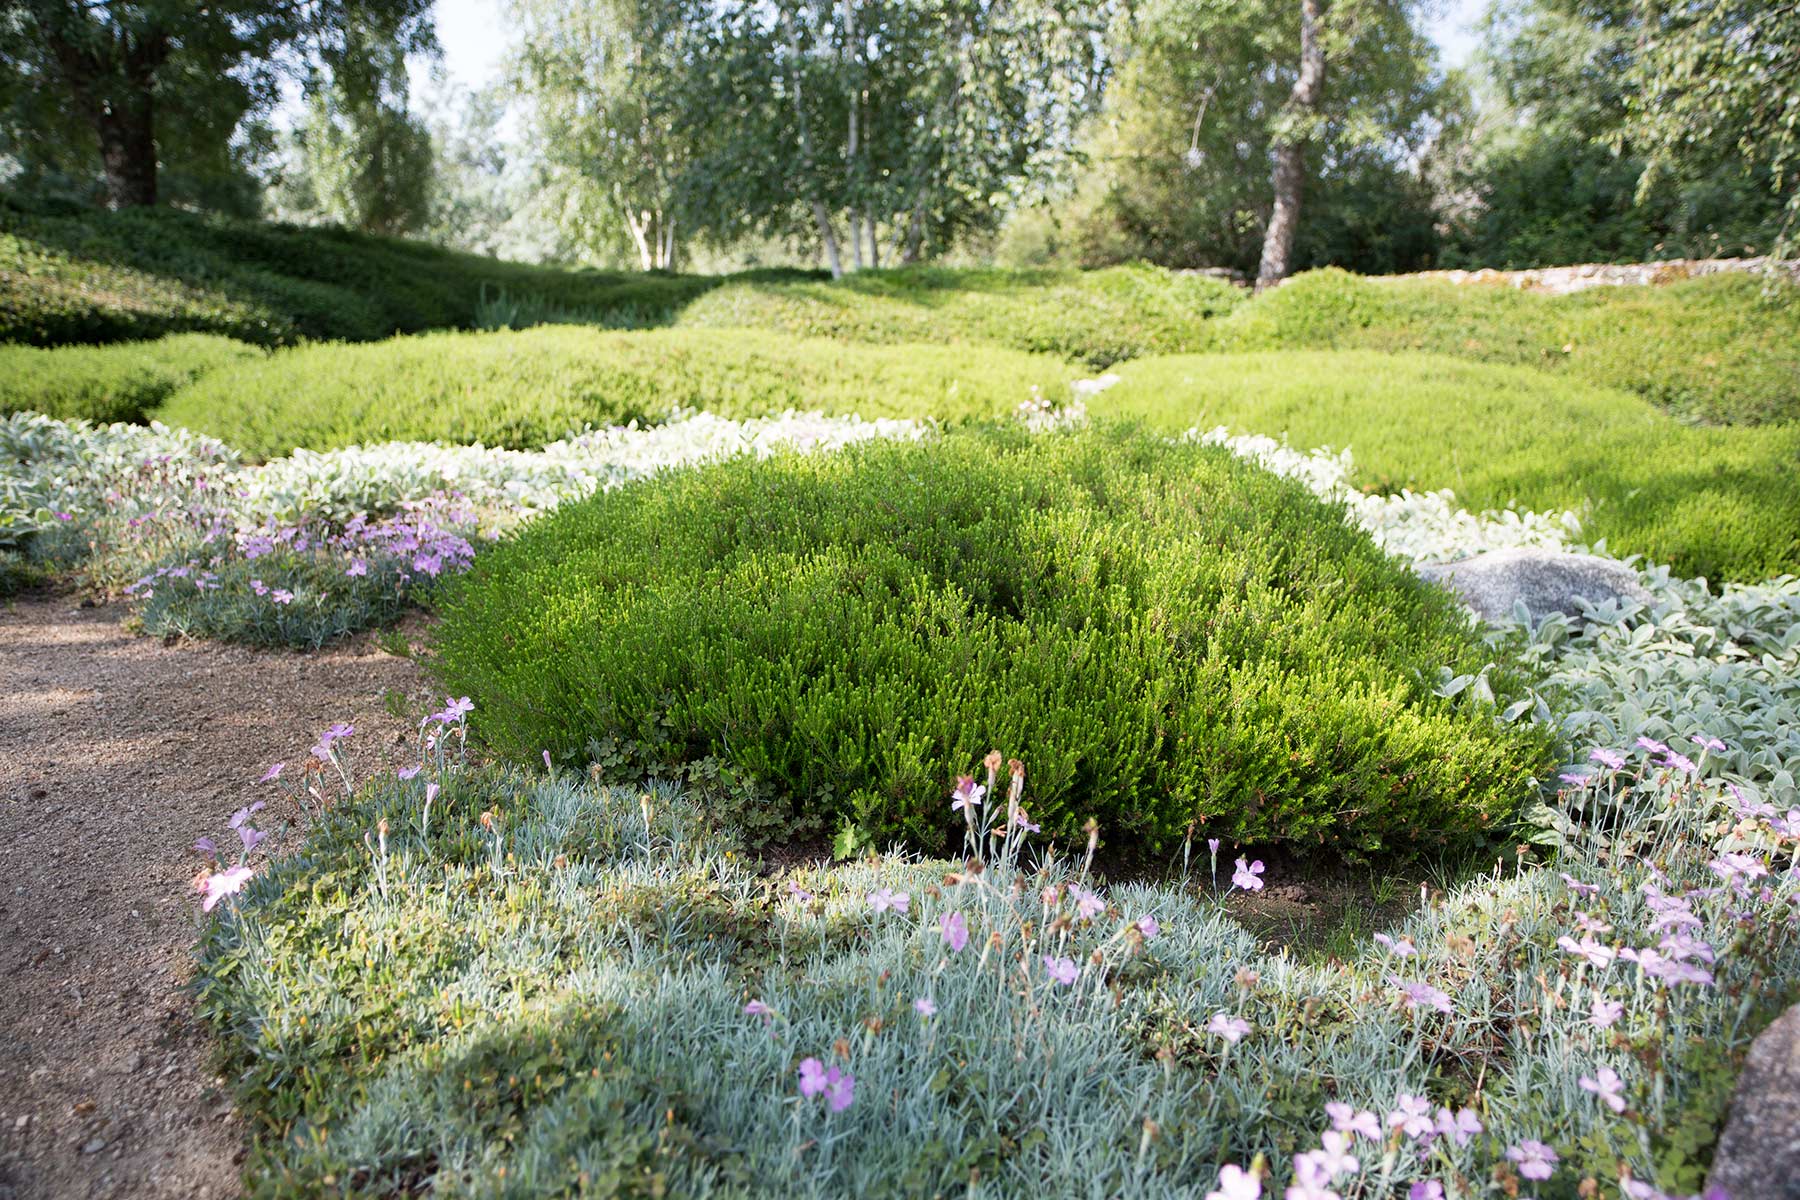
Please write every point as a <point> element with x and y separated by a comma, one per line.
<point>110,383</point>
<point>1167,637</point>
<point>521,389</point>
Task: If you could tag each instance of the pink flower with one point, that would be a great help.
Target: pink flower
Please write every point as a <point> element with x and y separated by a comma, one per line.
<point>925,1006</point>
<point>1246,875</point>
<point>244,814</point>
<point>1412,1116</point>
<point>1148,927</point>
<point>206,848</point>
<point>358,568</point>
<point>282,596</point>
<point>1229,1027</point>
<point>1418,993</point>
<point>1088,905</point>
<point>883,899</point>
<point>1535,1160</point>
<point>1344,1119</point>
<point>798,892</point>
<point>1655,747</point>
<point>954,930</point>
<point>1235,1183</point>
<point>1212,845</point>
<point>1610,759</point>
<point>1460,1126</point>
<point>812,1078</point>
<point>967,796</point>
<point>1706,742</point>
<point>1024,822</point>
<point>1334,1155</point>
<point>1575,885</point>
<point>1596,953</point>
<point>1604,1012</point>
<point>1399,948</point>
<point>220,884</point>
<point>756,1008</point>
<point>1425,1189</point>
<point>1061,970</point>
<point>431,791</point>
<point>251,837</point>
<point>1607,1085</point>
<point>272,774</point>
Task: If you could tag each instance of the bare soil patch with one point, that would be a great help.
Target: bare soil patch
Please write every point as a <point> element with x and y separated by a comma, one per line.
<point>116,752</point>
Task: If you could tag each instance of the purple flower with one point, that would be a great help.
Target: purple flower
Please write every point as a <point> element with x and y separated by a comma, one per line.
<point>954,930</point>
<point>1022,821</point>
<point>1591,924</point>
<point>1425,1189</point>
<point>1229,1027</point>
<point>1576,779</point>
<point>1212,845</point>
<point>357,569</point>
<point>1235,1183</point>
<point>220,884</point>
<point>967,796</point>
<point>409,772</point>
<point>431,791</point>
<point>1312,1179</point>
<point>1535,1160</point>
<point>840,1090</point>
<point>1460,1126</point>
<point>1148,927</point>
<point>1334,1155</point>
<point>1418,993</point>
<point>1706,742</point>
<point>244,814</point>
<point>883,899</point>
<point>1411,1115</point>
<point>1061,970</point>
<point>1246,875</point>
<point>455,709</point>
<point>1655,747</point>
<point>1607,1085</point>
<point>1604,1012</point>
<point>257,586</point>
<point>1680,761</point>
<point>925,1006</point>
<point>1344,1119</point>
<point>798,892</point>
<point>1730,866</point>
<point>756,1008</point>
<point>272,774</point>
<point>206,847</point>
<point>282,596</point>
<point>1399,948</point>
<point>251,837</point>
<point>547,765</point>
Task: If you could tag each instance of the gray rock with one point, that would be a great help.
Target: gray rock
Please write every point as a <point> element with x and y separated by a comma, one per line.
<point>1545,581</point>
<point>1759,1155</point>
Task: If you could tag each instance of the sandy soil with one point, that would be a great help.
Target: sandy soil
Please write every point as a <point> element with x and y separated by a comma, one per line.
<point>116,752</point>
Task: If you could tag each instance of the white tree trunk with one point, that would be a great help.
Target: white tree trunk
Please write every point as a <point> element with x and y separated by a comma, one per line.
<point>636,223</point>
<point>1289,176</point>
<point>828,237</point>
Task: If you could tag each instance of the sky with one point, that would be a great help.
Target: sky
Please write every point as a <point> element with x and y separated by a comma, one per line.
<point>474,37</point>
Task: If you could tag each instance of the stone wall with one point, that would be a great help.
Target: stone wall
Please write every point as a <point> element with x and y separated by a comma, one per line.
<point>1560,280</point>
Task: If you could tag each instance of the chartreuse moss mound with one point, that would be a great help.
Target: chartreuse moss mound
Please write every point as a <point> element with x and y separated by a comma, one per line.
<point>1165,635</point>
<point>110,383</point>
<point>525,388</point>
<point>1719,502</point>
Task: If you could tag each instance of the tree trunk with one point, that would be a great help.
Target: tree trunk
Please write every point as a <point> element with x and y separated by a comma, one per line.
<point>636,225</point>
<point>128,153</point>
<point>915,235</point>
<point>874,247</point>
<point>828,236</point>
<point>1289,175</point>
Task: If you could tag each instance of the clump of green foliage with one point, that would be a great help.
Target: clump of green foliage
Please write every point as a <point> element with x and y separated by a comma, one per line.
<point>141,273</point>
<point>1723,503</point>
<point>1722,349</point>
<point>1169,636</point>
<point>1098,317</point>
<point>110,383</point>
<point>525,388</point>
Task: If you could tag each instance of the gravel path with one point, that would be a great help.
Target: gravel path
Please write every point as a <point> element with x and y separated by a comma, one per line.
<point>116,752</point>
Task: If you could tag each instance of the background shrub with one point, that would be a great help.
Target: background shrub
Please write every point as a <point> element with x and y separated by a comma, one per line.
<point>1165,634</point>
<point>526,388</point>
<point>1723,503</point>
<point>1098,317</point>
<point>110,383</point>
<point>1723,349</point>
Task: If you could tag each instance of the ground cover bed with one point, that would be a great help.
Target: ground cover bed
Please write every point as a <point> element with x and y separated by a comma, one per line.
<point>1723,503</point>
<point>523,982</point>
<point>527,388</point>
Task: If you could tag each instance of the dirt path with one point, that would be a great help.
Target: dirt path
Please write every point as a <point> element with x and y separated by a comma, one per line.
<point>116,752</point>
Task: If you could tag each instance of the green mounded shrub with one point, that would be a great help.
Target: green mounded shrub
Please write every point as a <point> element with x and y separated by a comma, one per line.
<point>110,383</point>
<point>1164,634</point>
<point>102,277</point>
<point>1722,503</point>
<point>1098,317</point>
<point>525,388</point>
<point>1723,349</point>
